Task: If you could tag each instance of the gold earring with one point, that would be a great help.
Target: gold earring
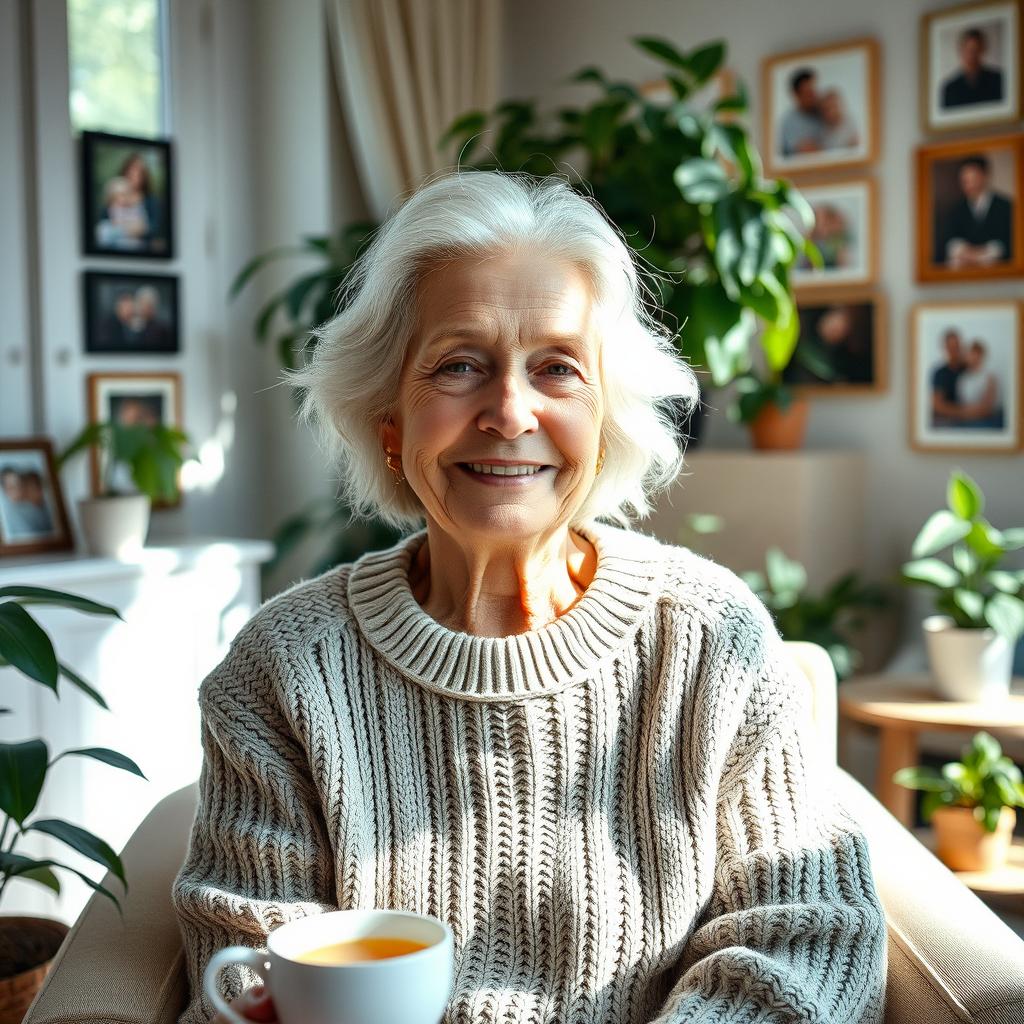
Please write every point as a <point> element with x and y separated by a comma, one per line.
<point>600,461</point>
<point>394,461</point>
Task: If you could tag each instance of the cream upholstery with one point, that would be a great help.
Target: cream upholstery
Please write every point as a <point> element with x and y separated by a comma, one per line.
<point>950,958</point>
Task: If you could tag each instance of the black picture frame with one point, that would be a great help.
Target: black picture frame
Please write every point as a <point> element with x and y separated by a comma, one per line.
<point>157,333</point>
<point>152,210</point>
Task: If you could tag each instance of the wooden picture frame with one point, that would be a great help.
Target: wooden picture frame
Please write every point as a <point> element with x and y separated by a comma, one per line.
<point>929,323</point>
<point>832,122</point>
<point>845,195</point>
<point>940,170</point>
<point>873,320</point>
<point>944,97</point>
<point>29,477</point>
<point>123,213</point>
<point>152,394</point>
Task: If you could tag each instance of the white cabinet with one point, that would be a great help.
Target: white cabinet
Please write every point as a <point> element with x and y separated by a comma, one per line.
<point>181,606</point>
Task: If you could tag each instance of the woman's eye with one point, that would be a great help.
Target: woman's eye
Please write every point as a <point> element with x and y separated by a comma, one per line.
<point>559,369</point>
<point>457,367</point>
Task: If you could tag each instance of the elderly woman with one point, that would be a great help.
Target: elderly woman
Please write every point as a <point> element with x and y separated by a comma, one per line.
<point>584,750</point>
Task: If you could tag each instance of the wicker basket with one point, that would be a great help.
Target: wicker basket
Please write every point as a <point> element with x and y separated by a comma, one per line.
<point>34,938</point>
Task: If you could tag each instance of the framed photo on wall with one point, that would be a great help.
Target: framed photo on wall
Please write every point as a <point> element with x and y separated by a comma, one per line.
<point>821,108</point>
<point>966,363</point>
<point>132,398</point>
<point>970,65</point>
<point>970,211</point>
<point>33,517</point>
<point>130,314</point>
<point>845,232</point>
<point>842,345</point>
<point>127,196</point>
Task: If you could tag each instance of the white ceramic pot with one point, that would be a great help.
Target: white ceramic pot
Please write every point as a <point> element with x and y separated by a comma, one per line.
<point>968,664</point>
<point>115,527</point>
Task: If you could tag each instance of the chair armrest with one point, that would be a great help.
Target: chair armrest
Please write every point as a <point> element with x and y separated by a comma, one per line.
<point>130,971</point>
<point>950,957</point>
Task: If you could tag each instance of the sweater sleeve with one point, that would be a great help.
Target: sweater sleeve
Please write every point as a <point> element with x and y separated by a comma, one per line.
<point>794,930</point>
<point>258,853</point>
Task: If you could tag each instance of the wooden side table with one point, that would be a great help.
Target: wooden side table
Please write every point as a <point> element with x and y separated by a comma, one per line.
<point>901,706</point>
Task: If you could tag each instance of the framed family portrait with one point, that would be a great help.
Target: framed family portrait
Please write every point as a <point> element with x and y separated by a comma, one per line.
<point>127,196</point>
<point>845,232</point>
<point>33,517</point>
<point>965,376</point>
<point>970,65</point>
<point>970,217</point>
<point>841,349</point>
<point>821,108</point>
<point>130,314</point>
<point>132,398</point>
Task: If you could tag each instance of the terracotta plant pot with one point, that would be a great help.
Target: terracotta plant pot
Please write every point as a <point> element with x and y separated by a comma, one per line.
<point>27,948</point>
<point>775,429</point>
<point>962,843</point>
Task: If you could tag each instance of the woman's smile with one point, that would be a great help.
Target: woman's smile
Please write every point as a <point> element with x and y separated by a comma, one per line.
<point>506,474</point>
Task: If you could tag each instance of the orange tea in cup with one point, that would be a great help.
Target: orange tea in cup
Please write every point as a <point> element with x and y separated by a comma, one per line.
<point>356,950</point>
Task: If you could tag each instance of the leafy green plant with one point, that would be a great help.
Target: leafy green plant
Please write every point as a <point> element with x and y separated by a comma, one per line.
<point>757,389</point>
<point>985,779</point>
<point>152,454</point>
<point>974,590</point>
<point>25,767</point>
<point>824,619</point>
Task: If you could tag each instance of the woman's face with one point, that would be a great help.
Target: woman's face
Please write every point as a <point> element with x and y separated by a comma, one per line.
<point>135,172</point>
<point>502,373</point>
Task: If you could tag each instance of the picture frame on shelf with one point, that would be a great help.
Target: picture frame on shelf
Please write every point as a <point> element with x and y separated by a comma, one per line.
<point>130,314</point>
<point>821,108</point>
<point>33,515</point>
<point>971,66</point>
<point>132,398</point>
<point>127,196</point>
<point>845,232</point>
<point>846,331</point>
<point>966,376</point>
<point>970,209</point>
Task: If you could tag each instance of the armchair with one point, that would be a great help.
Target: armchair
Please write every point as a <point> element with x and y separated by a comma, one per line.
<point>950,959</point>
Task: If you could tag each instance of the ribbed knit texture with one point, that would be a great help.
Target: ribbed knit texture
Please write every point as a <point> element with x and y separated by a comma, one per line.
<point>623,816</point>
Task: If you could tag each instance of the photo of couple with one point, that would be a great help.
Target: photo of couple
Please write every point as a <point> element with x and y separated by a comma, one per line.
<point>818,119</point>
<point>32,513</point>
<point>966,364</point>
<point>130,313</point>
<point>964,390</point>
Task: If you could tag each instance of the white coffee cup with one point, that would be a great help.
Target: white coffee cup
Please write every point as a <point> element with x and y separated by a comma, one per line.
<point>413,988</point>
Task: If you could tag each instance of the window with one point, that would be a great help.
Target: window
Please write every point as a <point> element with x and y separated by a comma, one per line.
<point>117,66</point>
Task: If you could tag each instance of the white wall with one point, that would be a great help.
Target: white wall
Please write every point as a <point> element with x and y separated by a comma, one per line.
<point>903,486</point>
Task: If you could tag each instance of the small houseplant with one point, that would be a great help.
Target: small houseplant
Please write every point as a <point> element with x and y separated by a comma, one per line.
<point>140,465</point>
<point>28,944</point>
<point>979,602</point>
<point>825,619</point>
<point>971,803</point>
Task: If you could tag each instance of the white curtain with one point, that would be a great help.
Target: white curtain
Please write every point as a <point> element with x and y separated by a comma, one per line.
<point>405,69</point>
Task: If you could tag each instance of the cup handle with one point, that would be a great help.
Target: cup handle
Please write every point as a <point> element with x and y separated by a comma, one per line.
<point>244,955</point>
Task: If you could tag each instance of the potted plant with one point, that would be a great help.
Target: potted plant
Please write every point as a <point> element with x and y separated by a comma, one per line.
<point>28,944</point>
<point>979,603</point>
<point>681,178</point>
<point>115,522</point>
<point>971,804</point>
<point>827,619</point>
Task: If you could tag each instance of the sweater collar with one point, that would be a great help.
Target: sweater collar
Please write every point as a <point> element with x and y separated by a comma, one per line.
<point>535,663</point>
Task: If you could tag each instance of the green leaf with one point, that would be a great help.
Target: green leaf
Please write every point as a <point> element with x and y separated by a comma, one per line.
<point>942,529</point>
<point>84,842</point>
<point>701,181</point>
<point>25,645</point>
<point>77,681</point>
<point>1007,582</point>
<point>970,602</point>
<point>44,876</point>
<point>111,757</point>
<point>1013,539</point>
<point>964,496</point>
<point>705,61</point>
<point>920,777</point>
<point>931,571</point>
<point>22,774</point>
<point>663,50</point>
<point>15,866</point>
<point>965,561</point>
<point>985,539</point>
<point>46,596</point>
<point>1005,614</point>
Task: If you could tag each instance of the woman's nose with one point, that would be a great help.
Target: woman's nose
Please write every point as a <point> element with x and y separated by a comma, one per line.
<point>509,408</point>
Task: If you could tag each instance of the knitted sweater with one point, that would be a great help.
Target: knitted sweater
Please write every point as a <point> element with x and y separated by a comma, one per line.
<point>623,816</point>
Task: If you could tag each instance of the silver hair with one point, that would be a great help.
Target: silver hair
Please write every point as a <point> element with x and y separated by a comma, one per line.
<point>350,382</point>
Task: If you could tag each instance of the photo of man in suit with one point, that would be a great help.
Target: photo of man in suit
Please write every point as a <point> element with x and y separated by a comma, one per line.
<point>977,229</point>
<point>975,81</point>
